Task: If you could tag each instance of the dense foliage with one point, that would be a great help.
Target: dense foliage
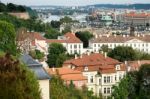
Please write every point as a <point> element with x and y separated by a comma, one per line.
<point>84,36</point>
<point>67,19</point>
<point>61,91</point>
<point>56,55</point>
<point>10,7</point>
<point>16,81</point>
<point>135,85</point>
<point>122,54</point>
<point>52,33</point>
<point>7,38</point>
<point>36,54</point>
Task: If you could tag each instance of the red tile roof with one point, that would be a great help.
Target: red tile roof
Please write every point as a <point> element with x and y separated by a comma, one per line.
<point>37,36</point>
<point>67,73</point>
<point>69,38</point>
<point>137,15</point>
<point>135,65</point>
<point>95,62</point>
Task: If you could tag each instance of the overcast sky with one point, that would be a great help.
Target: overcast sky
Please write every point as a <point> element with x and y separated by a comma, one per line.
<point>73,2</point>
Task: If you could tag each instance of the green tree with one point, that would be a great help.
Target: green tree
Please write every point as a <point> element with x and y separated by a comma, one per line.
<point>52,33</point>
<point>36,54</point>
<point>104,48</point>
<point>69,91</point>
<point>2,7</point>
<point>66,19</point>
<point>135,85</point>
<point>56,54</point>
<point>84,36</point>
<point>55,24</point>
<point>17,82</point>
<point>122,53</point>
<point>7,38</point>
<point>66,29</point>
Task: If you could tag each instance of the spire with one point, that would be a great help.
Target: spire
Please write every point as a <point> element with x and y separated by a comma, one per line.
<point>132,29</point>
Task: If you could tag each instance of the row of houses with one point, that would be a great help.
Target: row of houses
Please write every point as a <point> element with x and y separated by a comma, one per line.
<point>96,71</point>
<point>33,40</point>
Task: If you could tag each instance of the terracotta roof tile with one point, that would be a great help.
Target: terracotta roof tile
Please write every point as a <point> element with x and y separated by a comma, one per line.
<point>95,62</point>
<point>67,73</point>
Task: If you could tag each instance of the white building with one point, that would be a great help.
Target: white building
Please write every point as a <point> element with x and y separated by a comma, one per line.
<point>72,44</point>
<point>101,71</point>
<point>40,73</point>
<point>140,42</point>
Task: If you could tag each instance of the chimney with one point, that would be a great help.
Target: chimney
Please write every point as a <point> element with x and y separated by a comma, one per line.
<point>81,56</point>
<point>88,53</point>
<point>138,35</point>
<point>76,57</point>
<point>123,35</point>
<point>115,35</point>
<point>139,62</point>
<point>125,62</point>
<point>107,35</point>
<point>105,55</point>
<point>53,69</point>
<point>96,36</point>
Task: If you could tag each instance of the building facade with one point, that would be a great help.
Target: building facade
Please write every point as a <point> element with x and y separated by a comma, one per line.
<point>139,42</point>
<point>101,71</point>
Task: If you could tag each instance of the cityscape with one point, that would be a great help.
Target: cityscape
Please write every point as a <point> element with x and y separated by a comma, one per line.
<point>74,49</point>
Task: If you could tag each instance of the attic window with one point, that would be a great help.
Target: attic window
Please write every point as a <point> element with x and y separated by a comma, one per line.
<point>85,68</point>
<point>117,67</point>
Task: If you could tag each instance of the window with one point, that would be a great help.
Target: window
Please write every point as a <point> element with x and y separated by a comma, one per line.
<point>108,90</point>
<point>99,81</point>
<point>104,90</point>
<point>108,79</point>
<point>91,79</point>
<point>115,77</point>
<point>104,79</point>
<point>70,46</point>
<point>79,46</point>
<point>75,46</point>
<point>117,67</point>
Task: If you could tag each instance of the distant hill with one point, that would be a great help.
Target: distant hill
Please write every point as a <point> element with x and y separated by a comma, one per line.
<point>131,6</point>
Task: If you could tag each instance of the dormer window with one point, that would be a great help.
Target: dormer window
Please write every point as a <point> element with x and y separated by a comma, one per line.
<point>117,67</point>
<point>85,68</point>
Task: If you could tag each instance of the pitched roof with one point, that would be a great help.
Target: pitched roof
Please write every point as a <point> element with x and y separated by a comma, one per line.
<point>67,73</point>
<point>135,65</point>
<point>68,38</point>
<point>35,66</point>
<point>37,36</point>
<point>119,39</point>
<point>96,62</point>
<point>71,38</point>
<point>137,15</point>
<point>91,60</point>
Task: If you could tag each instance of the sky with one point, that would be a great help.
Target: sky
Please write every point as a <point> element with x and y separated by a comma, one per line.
<point>73,2</point>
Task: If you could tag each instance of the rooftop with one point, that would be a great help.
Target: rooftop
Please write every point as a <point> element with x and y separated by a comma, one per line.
<point>120,39</point>
<point>95,62</point>
<point>35,66</point>
<point>67,73</point>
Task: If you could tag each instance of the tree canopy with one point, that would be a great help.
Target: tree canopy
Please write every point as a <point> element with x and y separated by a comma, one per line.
<point>52,33</point>
<point>135,85</point>
<point>84,36</point>
<point>122,53</point>
<point>61,91</point>
<point>56,55</point>
<point>7,38</point>
<point>17,82</point>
